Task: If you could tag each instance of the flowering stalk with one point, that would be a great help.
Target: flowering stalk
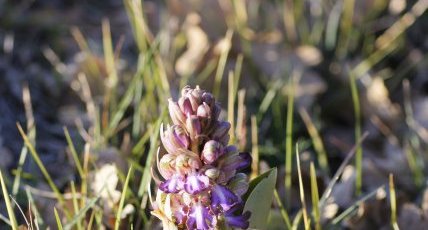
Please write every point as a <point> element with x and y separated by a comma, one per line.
<point>202,187</point>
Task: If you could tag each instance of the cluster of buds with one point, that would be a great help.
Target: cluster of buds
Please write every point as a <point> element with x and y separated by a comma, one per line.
<point>202,188</point>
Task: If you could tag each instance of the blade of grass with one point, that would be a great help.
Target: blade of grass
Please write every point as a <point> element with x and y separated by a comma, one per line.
<point>222,63</point>
<point>10,212</point>
<point>316,139</point>
<point>122,199</point>
<point>41,166</point>
<point>289,140</point>
<point>282,210</point>
<point>81,214</point>
<point>339,171</point>
<point>359,153</point>
<point>297,220</point>
<point>231,106</point>
<point>58,220</point>
<point>349,210</point>
<point>255,148</point>
<point>73,152</point>
<point>393,202</point>
<point>75,203</point>
<point>387,42</point>
<point>306,220</point>
<point>37,217</point>
<point>315,197</point>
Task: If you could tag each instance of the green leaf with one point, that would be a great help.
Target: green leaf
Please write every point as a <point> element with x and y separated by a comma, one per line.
<point>259,198</point>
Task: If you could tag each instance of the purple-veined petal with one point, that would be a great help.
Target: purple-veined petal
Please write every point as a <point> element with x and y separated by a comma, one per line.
<point>223,197</point>
<point>199,218</point>
<point>173,185</point>
<point>196,183</point>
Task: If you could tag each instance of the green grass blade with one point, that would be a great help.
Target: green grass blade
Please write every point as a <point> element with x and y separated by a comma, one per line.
<point>81,214</point>
<point>222,64</point>
<point>315,198</point>
<point>316,139</point>
<point>73,152</point>
<point>359,152</point>
<point>306,220</point>
<point>289,140</point>
<point>58,220</point>
<point>393,202</point>
<point>282,210</point>
<point>10,212</point>
<point>122,199</point>
<point>41,166</point>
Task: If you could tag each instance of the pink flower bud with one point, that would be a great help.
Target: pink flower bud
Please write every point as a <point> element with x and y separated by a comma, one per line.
<point>186,106</point>
<point>174,138</point>
<point>212,150</point>
<point>175,113</point>
<point>193,126</point>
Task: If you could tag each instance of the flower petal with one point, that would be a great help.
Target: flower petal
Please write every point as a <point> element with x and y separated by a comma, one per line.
<point>223,197</point>
<point>196,183</point>
<point>173,185</point>
<point>199,216</point>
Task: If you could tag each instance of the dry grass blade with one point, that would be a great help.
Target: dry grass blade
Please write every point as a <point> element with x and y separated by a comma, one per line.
<point>306,220</point>
<point>393,202</point>
<point>10,212</point>
<point>339,171</point>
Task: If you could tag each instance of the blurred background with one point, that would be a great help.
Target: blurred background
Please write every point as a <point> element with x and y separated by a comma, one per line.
<point>89,80</point>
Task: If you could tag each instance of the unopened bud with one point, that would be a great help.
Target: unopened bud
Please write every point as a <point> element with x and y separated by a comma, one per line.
<point>212,150</point>
<point>239,184</point>
<point>175,113</point>
<point>174,138</point>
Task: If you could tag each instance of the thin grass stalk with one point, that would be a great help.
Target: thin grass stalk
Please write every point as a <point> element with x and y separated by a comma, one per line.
<point>349,210</point>
<point>359,152</point>
<point>316,139</point>
<point>73,152</point>
<point>393,202</point>
<point>231,106</point>
<point>75,203</point>
<point>315,198</point>
<point>255,148</point>
<point>306,220</point>
<point>289,141</point>
<point>41,166</point>
<point>10,212</point>
<point>222,64</point>
<point>282,210</point>
<point>122,199</point>
<point>58,220</point>
<point>339,171</point>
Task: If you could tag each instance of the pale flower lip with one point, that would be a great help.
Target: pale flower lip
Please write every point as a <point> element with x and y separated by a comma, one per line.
<point>202,187</point>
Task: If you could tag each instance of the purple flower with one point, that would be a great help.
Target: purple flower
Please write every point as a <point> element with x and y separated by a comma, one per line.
<point>201,184</point>
<point>237,221</point>
<point>196,183</point>
<point>173,185</point>
<point>199,218</point>
<point>222,197</point>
